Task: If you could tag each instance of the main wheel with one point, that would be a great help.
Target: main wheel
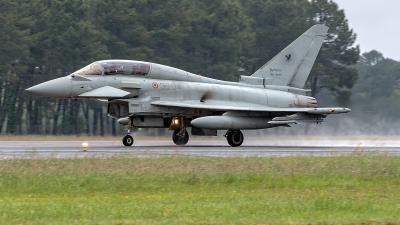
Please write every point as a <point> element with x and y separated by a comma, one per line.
<point>181,139</point>
<point>127,140</point>
<point>235,138</point>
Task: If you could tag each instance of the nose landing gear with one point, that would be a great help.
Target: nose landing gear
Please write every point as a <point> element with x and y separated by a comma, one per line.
<point>234,137</point>
<point>128,139</point>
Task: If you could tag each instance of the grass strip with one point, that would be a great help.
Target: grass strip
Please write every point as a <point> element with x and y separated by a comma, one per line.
<point>178,190</point>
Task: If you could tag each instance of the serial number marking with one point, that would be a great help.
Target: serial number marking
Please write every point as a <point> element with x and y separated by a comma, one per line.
<point>168,86</point>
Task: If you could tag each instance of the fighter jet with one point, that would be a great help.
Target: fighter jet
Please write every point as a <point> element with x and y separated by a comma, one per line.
<point>149,95</point>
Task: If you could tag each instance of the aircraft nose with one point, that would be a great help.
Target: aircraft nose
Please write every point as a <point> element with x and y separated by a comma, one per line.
<point>57,88</point>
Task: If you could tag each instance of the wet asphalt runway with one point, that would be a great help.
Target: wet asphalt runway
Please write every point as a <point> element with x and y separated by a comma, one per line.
<point>213,148</point>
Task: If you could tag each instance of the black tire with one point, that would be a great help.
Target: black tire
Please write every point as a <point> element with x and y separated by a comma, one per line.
<point>235,138</point>
<point>127,140</point>
<point>180,140</point>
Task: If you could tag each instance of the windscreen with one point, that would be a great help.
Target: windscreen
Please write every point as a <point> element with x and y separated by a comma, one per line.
<point>92,69</point>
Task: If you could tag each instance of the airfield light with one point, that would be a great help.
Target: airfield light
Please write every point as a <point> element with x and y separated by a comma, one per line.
<point>84,145</point>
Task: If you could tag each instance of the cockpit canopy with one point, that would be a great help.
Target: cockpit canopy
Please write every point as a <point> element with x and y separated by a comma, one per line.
<point>92,69</point>
<point>115,67</point>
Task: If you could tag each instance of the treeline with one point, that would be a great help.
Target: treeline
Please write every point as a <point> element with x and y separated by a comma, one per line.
<point>376,95</point>
<point>374,101</point>
<point>45,39</point>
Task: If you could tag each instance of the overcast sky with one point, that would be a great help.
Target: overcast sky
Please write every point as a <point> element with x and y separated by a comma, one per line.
<point>376,23</point>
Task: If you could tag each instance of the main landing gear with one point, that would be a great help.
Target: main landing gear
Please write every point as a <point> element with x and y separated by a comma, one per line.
<point>234,137</point>
<point>180,135</point>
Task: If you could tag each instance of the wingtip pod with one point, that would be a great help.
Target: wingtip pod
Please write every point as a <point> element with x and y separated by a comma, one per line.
<point>328,110</point>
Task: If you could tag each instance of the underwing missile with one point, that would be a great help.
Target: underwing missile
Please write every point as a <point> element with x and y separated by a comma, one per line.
<point>328,110</point>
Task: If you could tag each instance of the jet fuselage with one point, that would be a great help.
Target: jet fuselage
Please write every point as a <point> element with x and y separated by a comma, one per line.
<point>144,94</point>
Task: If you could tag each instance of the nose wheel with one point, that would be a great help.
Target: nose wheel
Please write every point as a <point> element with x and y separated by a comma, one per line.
<point>234,137</point>
<point>127,140</point>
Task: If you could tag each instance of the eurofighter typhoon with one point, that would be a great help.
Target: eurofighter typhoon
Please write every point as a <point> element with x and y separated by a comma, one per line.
<point>143,94</point>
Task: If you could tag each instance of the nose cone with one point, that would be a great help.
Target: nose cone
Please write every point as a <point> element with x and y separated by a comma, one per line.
<point>57,88</point>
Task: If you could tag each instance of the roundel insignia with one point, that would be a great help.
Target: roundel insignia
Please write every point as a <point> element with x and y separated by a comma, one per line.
<point>154,85</point>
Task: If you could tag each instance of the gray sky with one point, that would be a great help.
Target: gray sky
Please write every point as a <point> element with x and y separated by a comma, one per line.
<point>376,23</point>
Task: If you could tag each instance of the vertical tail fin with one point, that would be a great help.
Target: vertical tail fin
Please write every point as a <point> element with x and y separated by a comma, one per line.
<point>293,64</point>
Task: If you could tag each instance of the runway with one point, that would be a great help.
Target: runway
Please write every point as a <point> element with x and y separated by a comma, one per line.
<point>201,148</point>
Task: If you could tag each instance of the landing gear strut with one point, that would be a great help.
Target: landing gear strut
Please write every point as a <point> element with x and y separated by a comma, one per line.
<point>128,139</point>
<point>234,137</point>
<point>181,136</point>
